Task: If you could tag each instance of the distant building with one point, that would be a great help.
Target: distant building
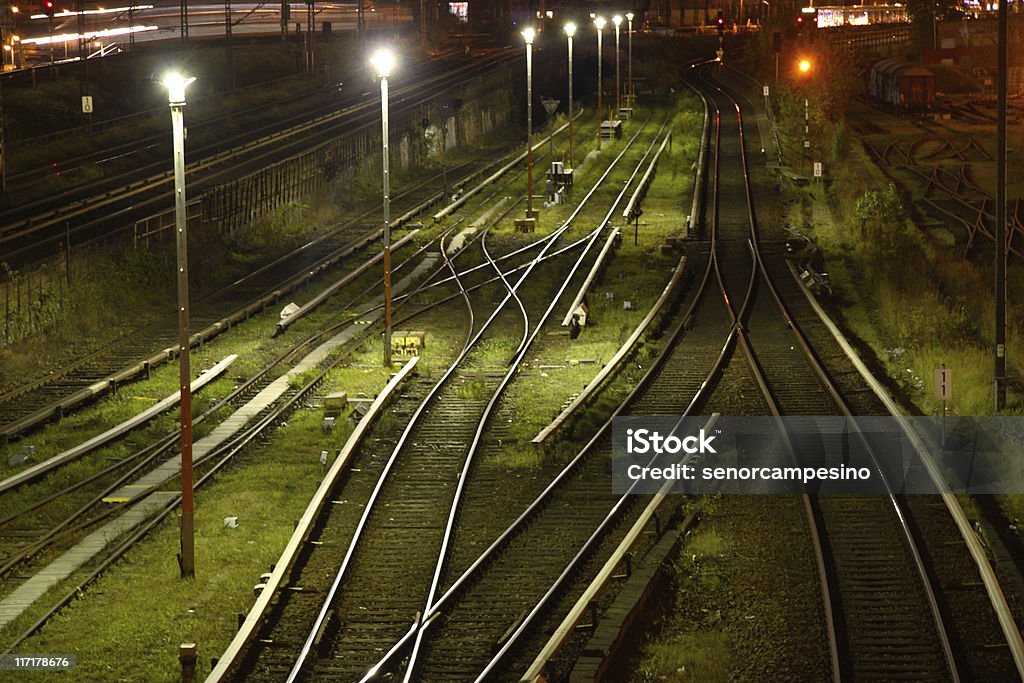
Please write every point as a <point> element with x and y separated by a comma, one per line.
<point>971,45</point>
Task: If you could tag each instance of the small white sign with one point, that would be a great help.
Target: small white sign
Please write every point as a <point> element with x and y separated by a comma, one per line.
<point>817,169</point>
<point>807,144</point>
<point>943,384</point>
<point>766,91</point>
<point>86,104</point>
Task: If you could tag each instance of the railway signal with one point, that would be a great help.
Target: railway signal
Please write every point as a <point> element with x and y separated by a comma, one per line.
<point>48,8</point>
<point>720,25</point>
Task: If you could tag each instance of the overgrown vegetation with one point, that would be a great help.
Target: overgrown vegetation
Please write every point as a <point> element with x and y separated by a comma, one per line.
<point>282,473</point>
<point>693,652</point>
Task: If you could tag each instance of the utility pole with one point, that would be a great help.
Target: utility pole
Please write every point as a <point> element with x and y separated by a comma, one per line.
<point>310,28</point>
<point>230,48</point>
<point>3,151</point>
<point>1000,350</point>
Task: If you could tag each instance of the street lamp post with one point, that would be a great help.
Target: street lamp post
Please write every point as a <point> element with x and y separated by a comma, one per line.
<point>383,61</point>
<point>631,96</point>
<point>617,20</point>
<point>528,35</point>
<point>570,31</point>
<point>599,22</point>
<point>3,144</point>
<point>176,84</point>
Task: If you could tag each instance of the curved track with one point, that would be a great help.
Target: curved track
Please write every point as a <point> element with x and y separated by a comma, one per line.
<point>877,580</point>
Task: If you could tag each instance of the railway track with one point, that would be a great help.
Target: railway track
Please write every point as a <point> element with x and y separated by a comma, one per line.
<point>493,602</point>
<point>134,354</point>
<point>77,216</point>
<point>20,546</point>
<point>342,627</point>
<point>877,579</point>
<point>91,513</point>
<point>873,598</point>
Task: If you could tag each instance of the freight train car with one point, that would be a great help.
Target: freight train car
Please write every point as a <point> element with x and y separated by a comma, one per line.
<point>901,85</point>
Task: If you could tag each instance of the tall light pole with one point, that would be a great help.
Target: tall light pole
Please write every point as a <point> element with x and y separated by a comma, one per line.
<point>599,24</point>
<point>3,144</point>
<point>617,20</point>
<point>383,61</point>
<point>528,35</point>
<point>630,96</point>
<point>1001,95</point>
<point>570,31</point>
<point>176,84</point>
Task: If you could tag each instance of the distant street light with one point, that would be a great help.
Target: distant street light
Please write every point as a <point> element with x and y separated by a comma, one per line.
<point>176,84</point>
<point>631,95</point>
<point>599,22</point>
<point>617,20</point>
<point>383,61</point>
<point>570,31</point>
<point>804,66</point>
<point>528,36</point>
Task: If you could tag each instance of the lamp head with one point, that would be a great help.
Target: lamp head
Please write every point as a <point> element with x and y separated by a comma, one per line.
<point>804,66</point>
<point>629,16</point>
<point>176,84</point>
<point>383,61</point>
<point>529,34</point>
<point>570,29</point>
<point>599,22</point>
<point>617,19</point>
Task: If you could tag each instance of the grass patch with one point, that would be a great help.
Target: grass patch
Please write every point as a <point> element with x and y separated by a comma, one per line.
<point>688,657</point>
<point>692,651</point>
<point>122,632</point>
<point>137,614</point>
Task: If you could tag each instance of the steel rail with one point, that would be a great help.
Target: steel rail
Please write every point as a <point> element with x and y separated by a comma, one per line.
<point>620,505</point>
<point>822,376</point>
<point>369,508</point>
<point>39,469</point>
<point>227,452</point>
<point>614,363</point>
<point>77,207</point>
<point>436,609</point>
<point>240,313</point>
<point>492,404</point>
<point>977,548</point>
<point>330,597</point>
